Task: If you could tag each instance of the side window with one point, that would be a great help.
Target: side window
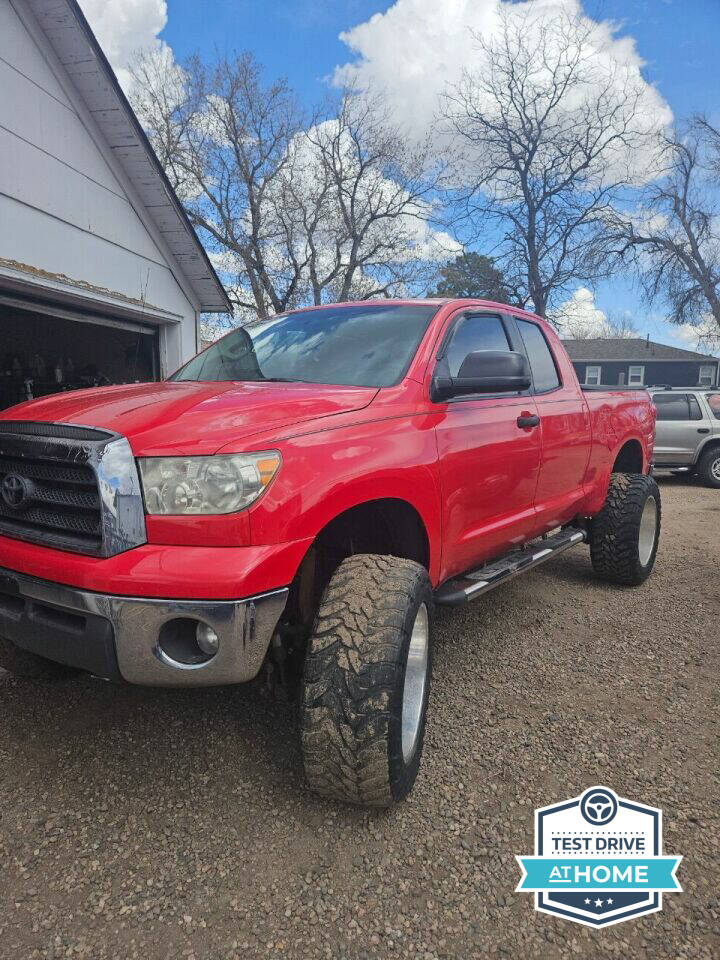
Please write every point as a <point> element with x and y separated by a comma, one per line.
<point>695,411</point>
<point>713,400</point>
<point>471,334</point>
<point>542,364</point>
<point>671,406</point>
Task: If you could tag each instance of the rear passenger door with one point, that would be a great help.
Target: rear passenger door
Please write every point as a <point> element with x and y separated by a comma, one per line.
<point>680,428</point>
<point>488,461</point>
<point>564,431</point>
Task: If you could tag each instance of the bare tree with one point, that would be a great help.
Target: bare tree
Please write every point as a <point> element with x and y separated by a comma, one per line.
<point>709,134</point>
<point>549,128</point>
<point>296,210</point>
<point>160,100</point>
<point>621,327</point>
<point>612,327</point>
<point>362,198</point>
<point>224,135</point>
<point>673,239</point>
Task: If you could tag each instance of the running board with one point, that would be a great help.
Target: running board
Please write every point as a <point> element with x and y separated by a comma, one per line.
<point>474,583</point>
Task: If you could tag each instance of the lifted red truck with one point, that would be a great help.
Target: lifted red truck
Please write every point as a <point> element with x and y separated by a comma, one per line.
<point>298,498</point>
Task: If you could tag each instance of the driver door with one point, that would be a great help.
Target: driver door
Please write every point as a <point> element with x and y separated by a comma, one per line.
<point>489,463</point>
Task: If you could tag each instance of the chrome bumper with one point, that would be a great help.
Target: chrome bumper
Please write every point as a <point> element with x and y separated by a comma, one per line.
<point>69,625</point>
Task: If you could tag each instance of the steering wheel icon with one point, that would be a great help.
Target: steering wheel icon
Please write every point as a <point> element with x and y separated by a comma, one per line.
<point>598,806</point>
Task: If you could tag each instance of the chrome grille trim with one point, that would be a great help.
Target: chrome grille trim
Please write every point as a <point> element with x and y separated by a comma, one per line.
<point>65,431</point>
<point>84,495</point>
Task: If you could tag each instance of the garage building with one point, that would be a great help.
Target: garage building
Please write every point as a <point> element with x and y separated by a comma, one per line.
<point>102,277</point>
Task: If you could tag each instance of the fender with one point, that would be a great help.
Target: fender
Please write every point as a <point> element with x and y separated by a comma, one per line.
<point>597,491</point>
<point>327,473</point>
<point>713,440</point>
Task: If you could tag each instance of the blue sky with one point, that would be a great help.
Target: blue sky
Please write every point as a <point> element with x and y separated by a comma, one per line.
<point>678,39</point>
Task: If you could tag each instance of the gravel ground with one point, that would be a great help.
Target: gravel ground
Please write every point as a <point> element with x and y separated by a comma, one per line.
<point>159,824</point>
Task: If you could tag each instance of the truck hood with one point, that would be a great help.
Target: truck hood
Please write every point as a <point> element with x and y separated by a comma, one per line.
<point>193,418</point>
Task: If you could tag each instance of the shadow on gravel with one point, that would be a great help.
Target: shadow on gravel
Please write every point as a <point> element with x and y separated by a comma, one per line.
<point>676,480</point>
<point>573,567</point>
<point>116,739</point>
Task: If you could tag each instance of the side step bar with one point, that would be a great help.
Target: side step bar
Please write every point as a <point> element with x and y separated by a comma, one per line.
<point>474,583</point>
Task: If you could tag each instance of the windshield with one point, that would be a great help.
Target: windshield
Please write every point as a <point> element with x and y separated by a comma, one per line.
<point>359,346</point>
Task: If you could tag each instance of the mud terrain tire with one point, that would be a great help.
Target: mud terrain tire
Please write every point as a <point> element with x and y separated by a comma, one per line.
<point>374,619</point>
<point>624,535</point>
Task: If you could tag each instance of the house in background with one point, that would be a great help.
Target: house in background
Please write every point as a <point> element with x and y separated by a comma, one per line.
<point>637,362</point>
<point>102,278</point>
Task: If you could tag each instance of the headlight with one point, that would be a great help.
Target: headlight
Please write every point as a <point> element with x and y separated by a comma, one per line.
<point>220,484</point>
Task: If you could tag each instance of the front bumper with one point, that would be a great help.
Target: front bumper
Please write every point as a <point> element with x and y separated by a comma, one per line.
<point>117,637</point>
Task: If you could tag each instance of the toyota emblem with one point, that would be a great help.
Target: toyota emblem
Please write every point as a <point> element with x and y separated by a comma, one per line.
<point>15,491</point>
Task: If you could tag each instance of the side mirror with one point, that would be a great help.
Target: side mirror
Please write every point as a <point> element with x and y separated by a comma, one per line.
<point>486,371</point>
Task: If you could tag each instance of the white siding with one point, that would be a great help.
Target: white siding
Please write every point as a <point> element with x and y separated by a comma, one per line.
<point>63,208</point>
<point>18,48</point>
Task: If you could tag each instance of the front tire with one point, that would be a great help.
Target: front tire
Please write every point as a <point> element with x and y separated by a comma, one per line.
<point>367,680</point>
<point>624,535</point>
<point>29,666</point>
<point>709,468</point>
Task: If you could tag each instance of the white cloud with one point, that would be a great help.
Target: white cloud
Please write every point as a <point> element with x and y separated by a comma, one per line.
<point>703,336</point>
<point>123,26</point>
<point>418,48</point>
<point>580,319</point>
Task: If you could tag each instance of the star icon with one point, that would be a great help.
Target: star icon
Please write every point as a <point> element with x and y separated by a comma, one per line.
<point>587,899</point>
<point>598,903</point>
<point>609,901</point>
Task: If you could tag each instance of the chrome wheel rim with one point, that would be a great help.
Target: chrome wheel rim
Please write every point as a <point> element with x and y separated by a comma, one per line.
<point>648,526</point>
<point>715,469</point>
<point>415,682</point>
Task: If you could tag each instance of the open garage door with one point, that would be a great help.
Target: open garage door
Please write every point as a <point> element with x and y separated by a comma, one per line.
<point>45,350</point>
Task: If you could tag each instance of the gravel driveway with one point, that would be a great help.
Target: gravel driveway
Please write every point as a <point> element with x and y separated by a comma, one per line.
<point>154,824</point>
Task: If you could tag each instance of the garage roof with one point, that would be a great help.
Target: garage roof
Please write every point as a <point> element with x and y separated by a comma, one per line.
<point>75,45</point>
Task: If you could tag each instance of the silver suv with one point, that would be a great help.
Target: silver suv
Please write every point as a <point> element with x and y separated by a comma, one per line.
<point>687,435</point>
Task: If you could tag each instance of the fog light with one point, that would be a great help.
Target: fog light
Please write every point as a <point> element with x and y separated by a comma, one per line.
<point>207,639</point>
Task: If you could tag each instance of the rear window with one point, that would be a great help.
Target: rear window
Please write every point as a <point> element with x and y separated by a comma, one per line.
<point>672,406</point>
<point>695,411</point>
<point>542,364</point>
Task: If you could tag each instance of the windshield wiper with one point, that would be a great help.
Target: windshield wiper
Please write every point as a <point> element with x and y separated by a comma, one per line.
<point>282,380</point>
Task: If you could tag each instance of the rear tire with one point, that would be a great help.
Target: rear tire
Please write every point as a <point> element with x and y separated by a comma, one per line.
<point>366,681</point>
<point>624,535</point>
<point>29,666</point>
<point>708,468</point>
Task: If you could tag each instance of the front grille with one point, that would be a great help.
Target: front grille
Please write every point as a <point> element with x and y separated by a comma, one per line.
<point>55,473</point>
<point>48,494</point>
<point>70,487</point>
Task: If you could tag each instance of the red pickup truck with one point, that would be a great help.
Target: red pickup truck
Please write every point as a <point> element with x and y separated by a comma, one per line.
<point>297,498</point>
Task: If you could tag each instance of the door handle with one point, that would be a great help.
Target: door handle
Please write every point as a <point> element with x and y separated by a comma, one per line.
<point>703,429</point>
<point>528,421</point>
